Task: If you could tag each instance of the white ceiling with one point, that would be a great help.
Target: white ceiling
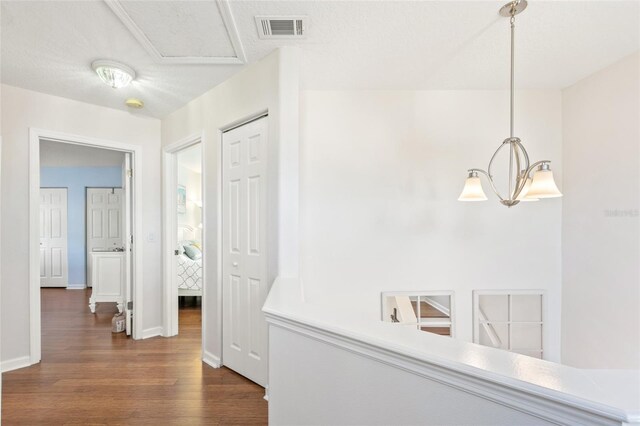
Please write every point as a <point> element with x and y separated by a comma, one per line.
<point>48,46</point>
<point>57,154</point>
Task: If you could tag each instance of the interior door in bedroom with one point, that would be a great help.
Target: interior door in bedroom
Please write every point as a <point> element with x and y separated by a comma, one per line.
<point>53,237</point>
<point>104,222</point>
<point>244,246</point>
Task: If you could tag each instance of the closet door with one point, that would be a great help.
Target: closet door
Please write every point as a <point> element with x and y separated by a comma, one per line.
<point>244,259</point>
<point>104,222</point>
<point>53,237</point>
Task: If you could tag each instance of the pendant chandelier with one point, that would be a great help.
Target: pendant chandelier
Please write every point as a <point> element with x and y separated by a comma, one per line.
<point>522,185</point>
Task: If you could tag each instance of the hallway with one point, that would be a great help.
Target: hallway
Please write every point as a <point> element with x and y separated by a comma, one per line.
<point>90,376</point>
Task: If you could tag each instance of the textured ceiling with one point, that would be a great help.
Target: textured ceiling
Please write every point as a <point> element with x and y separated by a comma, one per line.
<point>48,46</point>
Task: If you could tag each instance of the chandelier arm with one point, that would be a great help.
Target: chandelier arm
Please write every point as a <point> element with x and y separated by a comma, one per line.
<point>511,154</point>
<point>536,164</point>
<point>521,179</point>
<point>524,153</point>
<point>517,160</point>
<point>490,179</point>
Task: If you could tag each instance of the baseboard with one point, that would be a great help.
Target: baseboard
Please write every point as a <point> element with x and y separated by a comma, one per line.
<point>14,364</point>
<point>152,332</point>
<point>76,286</point>
<point>210,359</point>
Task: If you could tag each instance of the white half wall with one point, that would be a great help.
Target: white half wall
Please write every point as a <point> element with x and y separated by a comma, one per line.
<point>364,391</point>
<point>381,172</point>
<point>268,85</point>
<point>600,219</point>
<point>22,109</point>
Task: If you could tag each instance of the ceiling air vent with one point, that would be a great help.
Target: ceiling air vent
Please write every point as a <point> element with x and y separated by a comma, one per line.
<point>281,26</point>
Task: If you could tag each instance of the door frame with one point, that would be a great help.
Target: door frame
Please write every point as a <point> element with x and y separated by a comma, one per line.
<point>35,136</point>
<point>170,223</point>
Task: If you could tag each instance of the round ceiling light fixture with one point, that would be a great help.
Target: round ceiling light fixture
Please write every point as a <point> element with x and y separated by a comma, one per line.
<point>113,73</point>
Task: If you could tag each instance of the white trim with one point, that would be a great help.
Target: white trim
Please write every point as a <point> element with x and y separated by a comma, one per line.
<point>550,405</point>
<point>169,240</point>
<point>210,359</point>
<point>35,135</point>
<point>437,305</point>
<point>232,29</point>
<point>15,363</point>
<point>227,18</point>
<point>151,332</point>
<point>76,286</point>
<point>218,307</point>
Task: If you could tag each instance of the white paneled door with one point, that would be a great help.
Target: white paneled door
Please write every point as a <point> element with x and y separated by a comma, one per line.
<point>244,258</point>
<point>104,222</point>
<point>53,237</point>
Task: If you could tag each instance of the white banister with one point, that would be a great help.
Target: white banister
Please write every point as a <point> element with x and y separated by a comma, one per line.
<point>335,367</point>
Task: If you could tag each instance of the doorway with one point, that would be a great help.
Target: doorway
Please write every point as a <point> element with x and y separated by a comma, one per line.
<point>129,221</point>
<point>185,251</point>
<point>189,255</point>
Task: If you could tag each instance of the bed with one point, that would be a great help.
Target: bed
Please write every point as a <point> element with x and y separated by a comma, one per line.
<point>189,263</point>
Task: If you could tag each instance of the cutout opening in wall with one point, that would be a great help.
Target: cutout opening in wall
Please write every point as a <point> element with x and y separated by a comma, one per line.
<point>429,311</point>
<point>511,320</point>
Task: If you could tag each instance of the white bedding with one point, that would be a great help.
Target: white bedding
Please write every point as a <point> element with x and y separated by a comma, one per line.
<point>189,274</point>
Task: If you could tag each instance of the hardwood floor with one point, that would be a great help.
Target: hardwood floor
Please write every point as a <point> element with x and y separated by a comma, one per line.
<point>90,376</point>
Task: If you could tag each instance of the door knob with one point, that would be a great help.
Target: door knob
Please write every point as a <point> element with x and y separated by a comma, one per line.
<point>235,264</point>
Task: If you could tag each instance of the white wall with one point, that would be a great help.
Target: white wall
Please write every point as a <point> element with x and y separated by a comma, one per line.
<point>600,219</point>
<point>380,176</point>
<point>192,181</point>
<point>268,85</point>
<point>53,154</point>
<point>21,110</point>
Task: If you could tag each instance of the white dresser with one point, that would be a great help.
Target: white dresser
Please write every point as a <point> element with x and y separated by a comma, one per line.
<point>108,278</point>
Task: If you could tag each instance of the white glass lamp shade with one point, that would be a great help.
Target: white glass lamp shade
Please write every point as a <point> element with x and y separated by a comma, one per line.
<point>524,194</point>
<point>114,74</point>
<point>472,190</point>
<point>543,184</point>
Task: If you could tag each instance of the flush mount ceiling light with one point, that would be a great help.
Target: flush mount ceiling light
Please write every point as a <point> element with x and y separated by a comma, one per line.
<point>522,187</point>
<point>113,73</point>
